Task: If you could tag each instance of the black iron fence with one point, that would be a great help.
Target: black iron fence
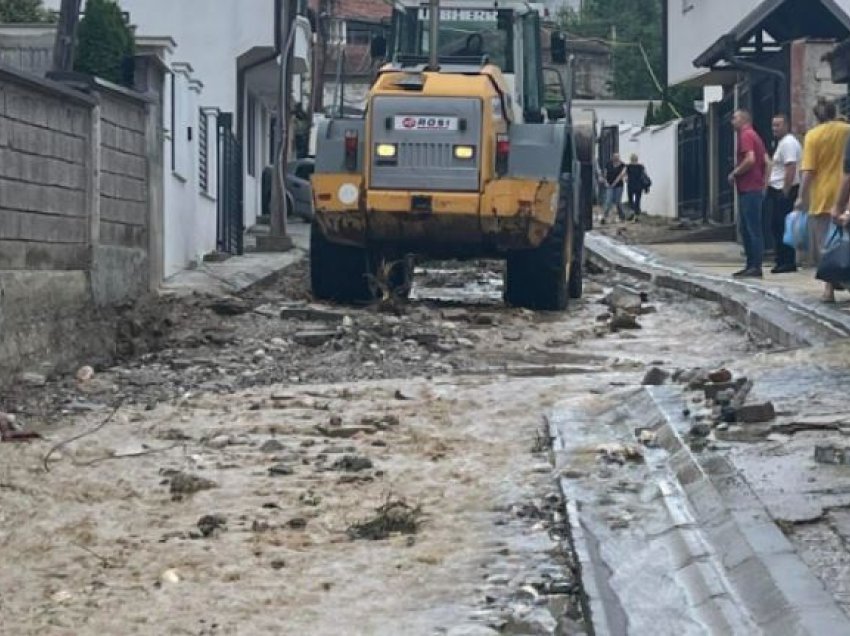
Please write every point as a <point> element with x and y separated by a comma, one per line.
<point>230,228</point>
<point>693,168</point>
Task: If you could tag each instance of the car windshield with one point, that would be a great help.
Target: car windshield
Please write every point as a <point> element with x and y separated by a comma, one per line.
<point>470,33</point>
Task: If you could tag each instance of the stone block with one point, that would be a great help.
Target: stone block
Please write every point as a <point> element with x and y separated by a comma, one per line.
<point>30,226</point>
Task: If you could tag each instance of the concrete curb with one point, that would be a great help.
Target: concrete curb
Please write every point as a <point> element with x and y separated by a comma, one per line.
<point>740,573</point>
<point>786,321</point>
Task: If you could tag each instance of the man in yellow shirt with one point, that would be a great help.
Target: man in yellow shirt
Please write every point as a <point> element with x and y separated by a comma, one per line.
<point>823,158</point>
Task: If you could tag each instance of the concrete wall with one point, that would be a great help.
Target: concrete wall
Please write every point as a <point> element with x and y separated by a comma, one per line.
<point>657,148</point>
<point>811,78</point>
<point>75,214</point>
<point>28,47</point>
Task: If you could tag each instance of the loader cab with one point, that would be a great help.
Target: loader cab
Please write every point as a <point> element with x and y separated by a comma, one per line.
<point>506,35</point>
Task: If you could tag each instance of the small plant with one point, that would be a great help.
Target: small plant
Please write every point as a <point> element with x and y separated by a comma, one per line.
<point>105,43</point>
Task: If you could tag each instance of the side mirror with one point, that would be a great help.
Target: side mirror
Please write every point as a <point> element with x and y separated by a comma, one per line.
<point>558,47</point>
<point>378,47</point>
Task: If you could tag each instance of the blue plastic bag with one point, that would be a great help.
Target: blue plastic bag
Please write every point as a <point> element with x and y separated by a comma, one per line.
<point>797,231</point>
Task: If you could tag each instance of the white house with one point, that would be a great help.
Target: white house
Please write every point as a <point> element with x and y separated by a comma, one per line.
<point>224,73</point>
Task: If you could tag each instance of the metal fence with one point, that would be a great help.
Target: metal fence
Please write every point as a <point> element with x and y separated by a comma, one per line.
<point>230,229</point>
<point>693,168</point>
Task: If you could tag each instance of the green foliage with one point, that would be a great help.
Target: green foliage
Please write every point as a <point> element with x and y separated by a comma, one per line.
<point>23,11</point>
<point>634,29</point>
<point>105,44</point>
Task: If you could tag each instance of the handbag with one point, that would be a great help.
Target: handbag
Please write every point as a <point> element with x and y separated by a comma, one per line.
<point>834,266</point>
<point>797,230</point>
<point>645,182</point>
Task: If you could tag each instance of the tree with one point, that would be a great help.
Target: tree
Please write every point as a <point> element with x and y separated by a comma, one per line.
<point>634,30</point>
<point>23,11</point>
<point>105,44</point>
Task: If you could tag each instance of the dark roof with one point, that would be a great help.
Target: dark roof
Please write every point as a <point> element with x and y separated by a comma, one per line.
<point>783,20</point>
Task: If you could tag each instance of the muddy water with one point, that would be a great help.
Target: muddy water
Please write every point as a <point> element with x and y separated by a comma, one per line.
<point>99,544</point>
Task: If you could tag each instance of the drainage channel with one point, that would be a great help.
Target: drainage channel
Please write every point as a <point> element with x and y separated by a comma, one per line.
<point>670,542</point>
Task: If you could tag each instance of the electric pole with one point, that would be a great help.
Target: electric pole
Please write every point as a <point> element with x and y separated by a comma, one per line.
<point>278,239</point>
<point>63,48</point>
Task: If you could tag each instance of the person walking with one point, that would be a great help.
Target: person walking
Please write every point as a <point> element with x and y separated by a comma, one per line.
<point>637,181</point>
<point>749,177</point>
<point>782,191</point>
<point>820,179</point>
<point>615,176</point>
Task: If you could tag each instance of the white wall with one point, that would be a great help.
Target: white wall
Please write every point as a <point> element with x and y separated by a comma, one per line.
<point>694,25</point>
<point>612,112</point>
<point>657,149</point>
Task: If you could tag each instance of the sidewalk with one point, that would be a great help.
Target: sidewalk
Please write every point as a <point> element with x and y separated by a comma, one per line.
<point>785,307</point>
<point>239,272</point>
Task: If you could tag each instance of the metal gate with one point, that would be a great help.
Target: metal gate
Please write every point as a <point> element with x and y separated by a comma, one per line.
<point>693,168</point>
<point>724,212</point>
<point>230,229</point>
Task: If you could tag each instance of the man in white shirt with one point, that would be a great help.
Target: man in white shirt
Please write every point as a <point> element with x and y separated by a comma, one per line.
<point>782,190</point>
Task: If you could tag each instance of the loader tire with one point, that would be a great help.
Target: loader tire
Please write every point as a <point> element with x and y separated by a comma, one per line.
<point>537,279</point>
<point>575,282</point>
<point>338,272</point>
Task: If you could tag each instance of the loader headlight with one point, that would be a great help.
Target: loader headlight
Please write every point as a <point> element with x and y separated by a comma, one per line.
<point>386,151</point>
<point>464,152</point>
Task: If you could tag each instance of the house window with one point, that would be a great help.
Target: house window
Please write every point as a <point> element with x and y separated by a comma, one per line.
<point>251,136</point>
<point>203,152</point>
<point>358,34</point>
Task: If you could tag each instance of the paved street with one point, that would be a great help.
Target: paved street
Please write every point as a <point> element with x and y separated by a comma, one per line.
<point>263,465</point>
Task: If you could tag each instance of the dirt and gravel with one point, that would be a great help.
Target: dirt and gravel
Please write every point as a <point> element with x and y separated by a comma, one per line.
<point>267,465</point>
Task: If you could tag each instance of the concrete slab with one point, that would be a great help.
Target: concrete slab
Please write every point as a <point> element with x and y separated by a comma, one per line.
<point>239,272</point>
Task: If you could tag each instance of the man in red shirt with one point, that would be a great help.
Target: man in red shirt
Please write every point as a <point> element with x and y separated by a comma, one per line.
<point>749,177</point>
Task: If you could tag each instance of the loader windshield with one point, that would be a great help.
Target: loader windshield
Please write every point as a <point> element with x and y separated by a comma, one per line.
<point>468,34</point>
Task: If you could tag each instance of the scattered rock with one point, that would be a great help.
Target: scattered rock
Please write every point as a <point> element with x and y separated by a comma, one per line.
<point>339,431</point>
<point>750,413</point>
<point>314,337</point>
<point>298,523</point>
<point>655,377</point>
<point>230,306</point>
<point>31,378</point>
<point>281,470</point>
<point>620,453</point>
<point>169,577</point>
<point>277,564</point>
<point>272,446</point>
<point>623,321</point>
<point>381,422</point>
<point>713,389</point>
<point>625,299</point>
<point>187,483</point>
<point>700,429</point>
<point>720,376</point>
<point>512,335</point>
<point>309,498</point>
<point>84,374</point>
<point>538,622</point>
<point>832,454</point>
<point>209,524</point>
<point>352,464</point>
<point>311,313</point>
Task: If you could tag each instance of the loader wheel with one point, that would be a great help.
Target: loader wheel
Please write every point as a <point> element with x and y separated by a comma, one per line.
<point>537,279</point>
<point>338,272</point>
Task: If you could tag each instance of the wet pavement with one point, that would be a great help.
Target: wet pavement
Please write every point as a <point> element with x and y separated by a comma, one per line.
<point>304,428</point>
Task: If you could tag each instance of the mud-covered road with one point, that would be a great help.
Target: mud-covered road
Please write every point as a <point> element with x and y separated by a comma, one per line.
<point>261,465</point>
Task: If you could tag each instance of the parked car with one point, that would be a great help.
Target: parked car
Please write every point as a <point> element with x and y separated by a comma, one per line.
<point>298,187</point>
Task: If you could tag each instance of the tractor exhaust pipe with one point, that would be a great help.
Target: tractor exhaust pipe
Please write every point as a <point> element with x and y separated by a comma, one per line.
<point>433,35</point>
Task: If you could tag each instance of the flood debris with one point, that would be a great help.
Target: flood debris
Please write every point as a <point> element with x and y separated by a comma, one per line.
<point>655,376</point>
<point>181,483</point>
<point>620,453</point>
<point>832,454</point>
<point>352,464</point>
<point>625,299</point>
<point>209,525</point>
<point>395,516</point>
<point>623,321</point>
<point>229,306</point>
